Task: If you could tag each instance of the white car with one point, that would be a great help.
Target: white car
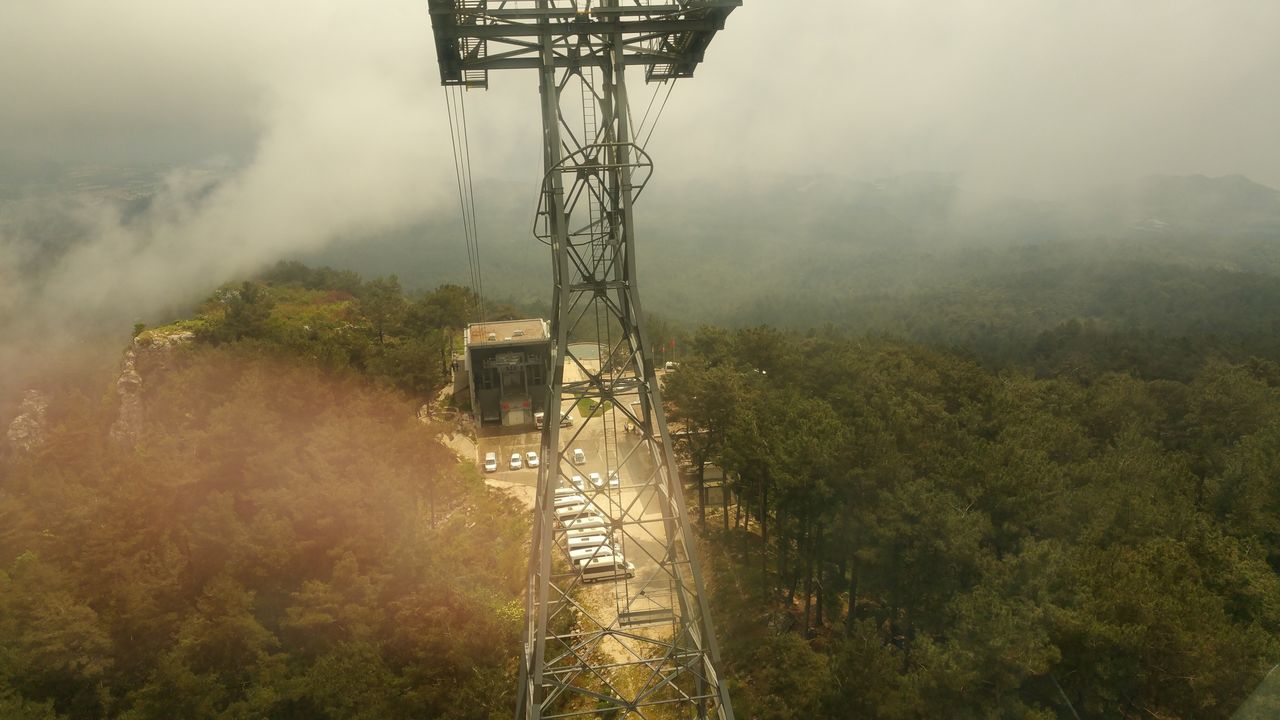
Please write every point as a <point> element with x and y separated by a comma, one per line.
<point>595,479</point>
<point>579,457</point>
<point>531,459</point>
<point>516,462</point>
<point>578,482</point>
<point>613,479</point>
<point>491,462</point>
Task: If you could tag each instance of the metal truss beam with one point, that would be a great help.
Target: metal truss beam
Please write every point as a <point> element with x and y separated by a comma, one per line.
<point>669,38</point>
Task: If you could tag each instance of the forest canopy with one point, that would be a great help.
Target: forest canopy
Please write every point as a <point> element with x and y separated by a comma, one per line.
<point>281,542</point>
<point>914,532</point>
<point>1072,521</point>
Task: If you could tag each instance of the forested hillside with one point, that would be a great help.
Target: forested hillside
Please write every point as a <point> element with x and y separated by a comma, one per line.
<point>276,536</point>
<point>918,536</point>
<point>1078,522</point>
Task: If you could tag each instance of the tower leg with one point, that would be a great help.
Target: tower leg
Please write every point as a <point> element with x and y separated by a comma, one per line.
<point>638,636</point>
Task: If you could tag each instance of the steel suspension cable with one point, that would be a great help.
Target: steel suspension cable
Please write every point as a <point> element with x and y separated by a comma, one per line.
<point>475,227</point>
<point>458,136</point>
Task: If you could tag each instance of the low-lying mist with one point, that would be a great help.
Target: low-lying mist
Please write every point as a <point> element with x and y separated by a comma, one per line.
<point>153,150</point>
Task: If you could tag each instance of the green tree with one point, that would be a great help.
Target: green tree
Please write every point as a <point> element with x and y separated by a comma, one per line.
<point>246,311</point>
<point>703,402</point>
<point>382,301</point>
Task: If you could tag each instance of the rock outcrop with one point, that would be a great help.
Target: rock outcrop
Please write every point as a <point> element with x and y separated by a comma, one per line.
<point>156,340</point>
<point>153,346</point>
<point>128,424</point>
<point>26,432</point>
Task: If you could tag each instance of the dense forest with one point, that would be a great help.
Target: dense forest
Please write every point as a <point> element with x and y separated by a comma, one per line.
<point>915,532</point>
<point>278,536</point>
<point>1076,522</point>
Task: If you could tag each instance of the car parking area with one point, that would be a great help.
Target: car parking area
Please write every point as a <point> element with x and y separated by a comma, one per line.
<point>503,442</point>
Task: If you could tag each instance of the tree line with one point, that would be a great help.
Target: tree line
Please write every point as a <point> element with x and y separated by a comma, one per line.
<point>340,321</point>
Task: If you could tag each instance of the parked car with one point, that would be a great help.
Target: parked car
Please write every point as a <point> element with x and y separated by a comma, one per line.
<point>595,479</point>
<point>531,459</point>
<point>579,457</point>
<point>566,420</point>
<point>537,419</point>
<point>516,461</point>
<point>669,366</point>
<point>578,482</point>
<point>491,462</point>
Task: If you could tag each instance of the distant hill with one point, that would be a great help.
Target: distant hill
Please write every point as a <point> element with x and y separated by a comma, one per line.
<point>1231,204</point>
<point>771,248</point>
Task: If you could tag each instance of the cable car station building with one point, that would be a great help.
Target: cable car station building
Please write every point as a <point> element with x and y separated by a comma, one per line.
<point>506,364</point>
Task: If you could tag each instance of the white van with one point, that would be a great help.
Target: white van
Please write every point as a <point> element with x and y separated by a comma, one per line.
<point>572,512</point>
<point>614,567</point>
<point>567,500</point>
<point>585,541</point>
<point>572,533</point>
<point>491,462</point>
<point>582,556</point>
<point>586,523</point>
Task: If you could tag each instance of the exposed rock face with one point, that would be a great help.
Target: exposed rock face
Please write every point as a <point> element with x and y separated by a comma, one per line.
<point>128,422</point>
<point>26,432</point>
<point>154,340</point>
<point>153,346</point>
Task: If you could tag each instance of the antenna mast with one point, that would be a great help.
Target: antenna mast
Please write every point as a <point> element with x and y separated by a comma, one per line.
<point>626,633</point>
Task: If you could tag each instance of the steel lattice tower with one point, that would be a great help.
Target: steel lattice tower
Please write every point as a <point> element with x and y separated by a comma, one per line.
<point>640,643</point>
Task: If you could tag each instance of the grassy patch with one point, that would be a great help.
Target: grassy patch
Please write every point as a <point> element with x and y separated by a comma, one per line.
<point>585,407</point>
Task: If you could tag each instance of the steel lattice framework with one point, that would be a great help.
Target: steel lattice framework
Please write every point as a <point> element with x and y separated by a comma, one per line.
<point>640,643</point>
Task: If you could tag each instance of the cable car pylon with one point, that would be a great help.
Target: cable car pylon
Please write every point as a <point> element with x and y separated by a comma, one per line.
<point>616,618</point>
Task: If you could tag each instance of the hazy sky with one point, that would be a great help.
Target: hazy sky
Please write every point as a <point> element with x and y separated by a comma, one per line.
<point>1024,90</point>
<point>329,115</point>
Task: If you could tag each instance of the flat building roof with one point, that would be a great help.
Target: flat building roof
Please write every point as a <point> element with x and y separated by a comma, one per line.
<point>508,332</point>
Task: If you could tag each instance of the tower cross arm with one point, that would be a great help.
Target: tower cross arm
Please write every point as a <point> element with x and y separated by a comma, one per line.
<point>670,37</point>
